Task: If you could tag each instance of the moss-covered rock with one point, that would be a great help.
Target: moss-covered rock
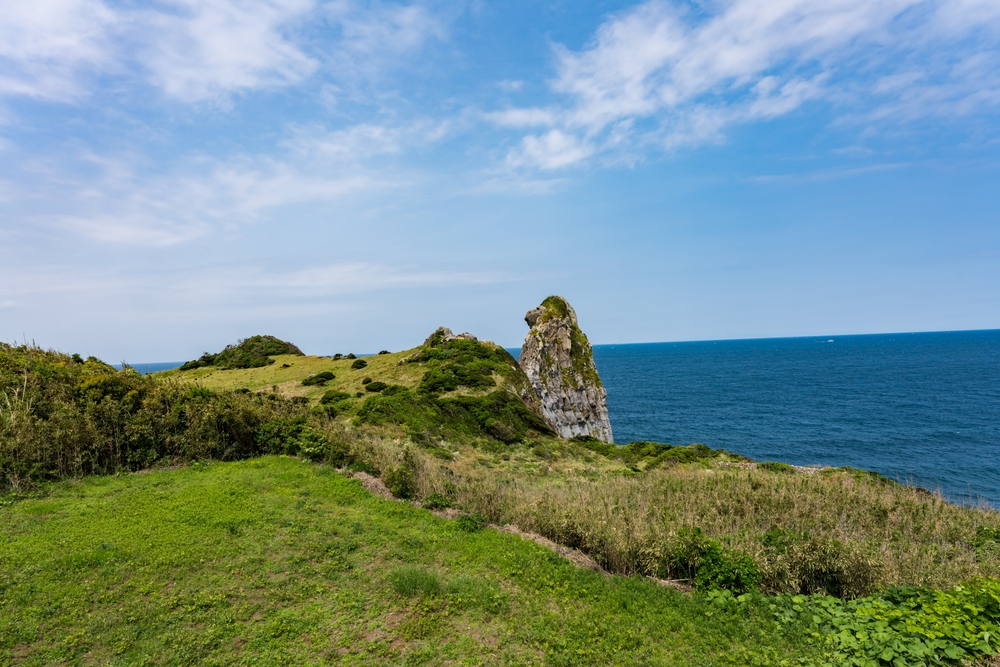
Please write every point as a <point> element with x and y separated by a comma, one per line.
<point>557,359</point>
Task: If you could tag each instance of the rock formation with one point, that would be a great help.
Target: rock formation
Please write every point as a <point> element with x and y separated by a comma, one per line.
<point>558,361</point>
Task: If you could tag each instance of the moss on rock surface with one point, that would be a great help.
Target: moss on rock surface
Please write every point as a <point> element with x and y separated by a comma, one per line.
<point>558,360</point>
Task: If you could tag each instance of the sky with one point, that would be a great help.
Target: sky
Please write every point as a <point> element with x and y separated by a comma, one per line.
<point>176,175</point>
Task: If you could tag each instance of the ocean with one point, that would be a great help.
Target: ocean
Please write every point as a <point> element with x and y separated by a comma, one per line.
<point>922,408</point>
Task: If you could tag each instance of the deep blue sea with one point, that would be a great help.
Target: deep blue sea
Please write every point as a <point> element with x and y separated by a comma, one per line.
<point>921,408</point>
<point>154,367</point>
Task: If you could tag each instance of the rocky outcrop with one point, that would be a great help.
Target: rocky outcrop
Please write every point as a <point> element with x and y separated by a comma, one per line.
<point>558,361</point>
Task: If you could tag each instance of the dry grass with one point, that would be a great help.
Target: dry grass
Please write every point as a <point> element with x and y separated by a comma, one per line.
<point>836,528</point>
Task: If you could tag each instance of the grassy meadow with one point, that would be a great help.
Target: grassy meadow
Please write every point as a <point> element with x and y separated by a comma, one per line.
<point>288,371</point>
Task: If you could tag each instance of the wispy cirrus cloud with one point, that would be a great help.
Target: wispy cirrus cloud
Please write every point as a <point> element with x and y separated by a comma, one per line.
<point>196,50</point>
<point>661,74</point>
<point>45,46</point>
<point>201,50</point>
<point>127,200</point>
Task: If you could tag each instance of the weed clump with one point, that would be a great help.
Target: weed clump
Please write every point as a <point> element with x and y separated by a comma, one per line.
<point>412,581</point>
<point>471,523</point>
<point>375,386</point>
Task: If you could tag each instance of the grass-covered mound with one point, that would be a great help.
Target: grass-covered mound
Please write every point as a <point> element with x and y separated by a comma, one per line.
<point>252,352</point>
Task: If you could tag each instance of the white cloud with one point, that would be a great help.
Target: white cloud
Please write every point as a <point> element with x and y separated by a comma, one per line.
<point>522,117</point>
<point>201,49</point>
<point>354,277</point>
<point>661,73</point>
<point>46,44</point>
<point>196,50</point>
<point>383,29</point>
<point>551,150</point>
<point>126,200</point>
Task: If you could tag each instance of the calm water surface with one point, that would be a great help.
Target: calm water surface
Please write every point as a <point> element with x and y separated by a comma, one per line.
<point>919,407</point>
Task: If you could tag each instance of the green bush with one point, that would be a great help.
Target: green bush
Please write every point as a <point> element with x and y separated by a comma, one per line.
<point>437,501</point>
<point>332,396</point>
<point>61,419</point>
<point>412,581</point>
<point>774,466</point>
<point>726,569</point>
<point>252,352</point>
<point>375,386</point>
<point>384,352</point>
<point>318,379</point>
<point>401,479</point>
<point>351,356</point>
<point>366,381</point>
<point>358,364</point>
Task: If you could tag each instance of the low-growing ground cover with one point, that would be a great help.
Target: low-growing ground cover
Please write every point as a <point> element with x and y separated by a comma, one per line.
<point>275,561</point>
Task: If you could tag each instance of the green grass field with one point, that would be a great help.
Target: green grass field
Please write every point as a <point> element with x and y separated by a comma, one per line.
<point>288,380</point>
<point>275,561</point>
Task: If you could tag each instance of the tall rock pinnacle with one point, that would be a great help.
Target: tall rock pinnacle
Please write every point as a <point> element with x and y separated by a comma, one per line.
<point>558,360</point>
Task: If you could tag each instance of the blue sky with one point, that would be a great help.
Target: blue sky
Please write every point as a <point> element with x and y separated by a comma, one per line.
<point>176,175</point>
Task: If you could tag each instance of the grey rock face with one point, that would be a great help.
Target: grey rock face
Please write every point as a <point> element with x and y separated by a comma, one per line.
<point>559,362</point>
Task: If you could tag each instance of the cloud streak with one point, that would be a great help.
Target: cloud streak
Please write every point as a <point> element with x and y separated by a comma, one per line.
<point>199,50</point>
<point>660,74</point>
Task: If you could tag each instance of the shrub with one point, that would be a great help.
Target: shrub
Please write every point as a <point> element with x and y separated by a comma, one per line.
<point>401,479</point>
<point>376,386</point>
<point>412,581</point>
<point>337,356</point>
<point>318,379</point>
<point>358,363</point>
<point>332,396</point>
<point>366,381</point>
<point>709,565</point>
<point>393,389</point>
<point>351,356</point>
<point>437,501</point>
<point>774,466</point>
<point>384,352</point>
<point>726,569</point>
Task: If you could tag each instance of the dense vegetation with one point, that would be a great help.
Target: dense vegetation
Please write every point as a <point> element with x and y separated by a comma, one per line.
<point>252,352</point>
<point>62,416</point>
